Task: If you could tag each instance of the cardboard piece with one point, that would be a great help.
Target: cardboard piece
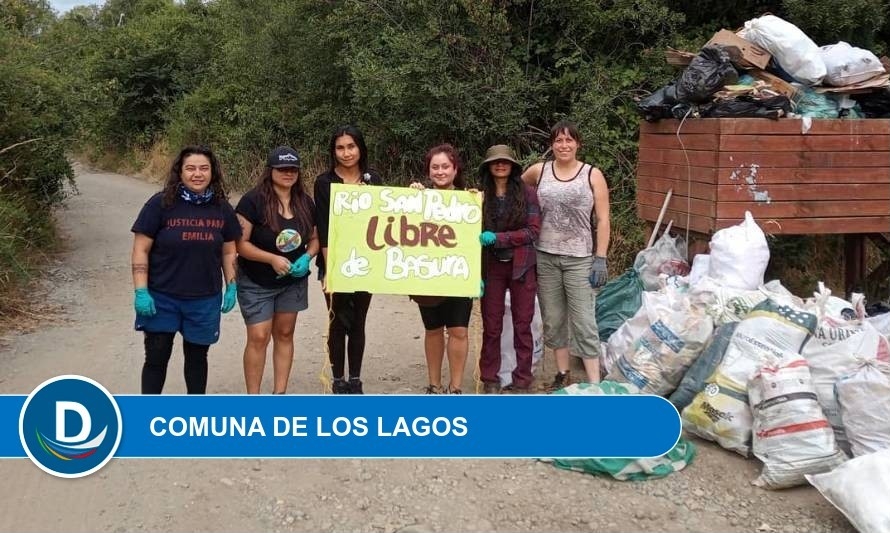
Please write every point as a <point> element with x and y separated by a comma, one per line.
<point>749,54</point>
<point>778,84</point>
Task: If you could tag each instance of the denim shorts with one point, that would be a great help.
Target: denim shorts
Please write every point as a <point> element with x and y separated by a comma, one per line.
<point>196,319</point>
<point>259,304</point>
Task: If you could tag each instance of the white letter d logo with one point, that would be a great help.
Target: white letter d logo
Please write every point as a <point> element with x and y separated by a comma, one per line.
<point>61,435</point>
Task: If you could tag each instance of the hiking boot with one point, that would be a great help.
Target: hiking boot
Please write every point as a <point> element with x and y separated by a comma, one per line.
<point>434,389</point>
<point>491,387</point>
<point>560,381</point>
<point>340,386</point>
<point>513,389</point>
<point>355,386</point>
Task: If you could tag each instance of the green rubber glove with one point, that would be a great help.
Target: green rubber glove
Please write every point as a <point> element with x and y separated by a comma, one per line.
<point>144,303</point>
<point>300,267</point>
<point>487,238</point>
<point>229,297</point>
<point>481,288</point>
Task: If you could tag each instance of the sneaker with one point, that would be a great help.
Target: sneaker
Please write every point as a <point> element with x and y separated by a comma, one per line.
<point>434,389</point>
<point>513,389</point>
<point>560,381</point>
<point>355,386</point>
<point>453,391</point>
<point>491,387</point>
<point>340,386</point>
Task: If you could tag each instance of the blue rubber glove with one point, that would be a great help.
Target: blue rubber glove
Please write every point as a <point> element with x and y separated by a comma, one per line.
<point>599,273</point>
<point>229,297</point>
<point>144,303</point>
<point>487,238</point>
<point>300,267</point>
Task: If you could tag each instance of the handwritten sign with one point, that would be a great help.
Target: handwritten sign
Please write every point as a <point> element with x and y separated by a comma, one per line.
<point>396,240</point>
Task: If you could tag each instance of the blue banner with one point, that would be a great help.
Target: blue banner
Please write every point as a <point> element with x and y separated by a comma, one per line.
<point>327,426</point>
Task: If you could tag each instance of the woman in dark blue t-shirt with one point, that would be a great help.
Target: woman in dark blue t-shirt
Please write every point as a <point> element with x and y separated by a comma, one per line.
<point>278,242</point>
<point>183,244</point>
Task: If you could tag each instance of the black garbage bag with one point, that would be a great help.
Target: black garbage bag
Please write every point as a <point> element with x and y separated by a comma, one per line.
<point>874,104</point>
<point>746,106</point>
<point>658,105</point>
<point>708,72</point>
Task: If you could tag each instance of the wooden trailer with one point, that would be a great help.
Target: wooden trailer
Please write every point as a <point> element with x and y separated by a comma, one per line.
<point>795,177</point>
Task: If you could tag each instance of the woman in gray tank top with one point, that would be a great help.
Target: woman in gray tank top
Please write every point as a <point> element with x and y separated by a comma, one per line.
<point>571,251</point>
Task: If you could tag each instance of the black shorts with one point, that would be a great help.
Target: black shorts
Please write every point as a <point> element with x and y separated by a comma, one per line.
<point>454,312</point>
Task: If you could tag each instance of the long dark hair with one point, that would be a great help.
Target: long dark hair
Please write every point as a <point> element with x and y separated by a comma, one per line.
<point>515,200</point>
<point>455,159</point>
<point>298,202</point>
<point>174,177</point>
<point>359,139</point>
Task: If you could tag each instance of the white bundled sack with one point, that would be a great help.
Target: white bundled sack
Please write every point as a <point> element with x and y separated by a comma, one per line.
<point>846,65</point>
<point>863,399</point>
<point>720,412</point>
<point>675,336</point>
<point>791,434</point>
<point>508,353</point>
<point>880,323</point>
<point>792,49</point>
<point>666,256</point>
<point>739,255</point>
<point>701,264</point>
<point>859,489</point>
<point>724,304</point>
<point>838,348</point>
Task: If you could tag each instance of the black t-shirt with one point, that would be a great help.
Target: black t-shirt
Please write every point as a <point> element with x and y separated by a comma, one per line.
<point>322,204</point>
<point>185,259</point>
<point>290,241</point>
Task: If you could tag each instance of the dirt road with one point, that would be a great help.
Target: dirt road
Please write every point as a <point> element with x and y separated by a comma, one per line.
<point>92,335</point>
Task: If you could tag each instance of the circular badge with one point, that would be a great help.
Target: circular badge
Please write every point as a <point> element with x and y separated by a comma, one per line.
<point>712,389</point>
<point>288,240</point>
<point>70,426</point>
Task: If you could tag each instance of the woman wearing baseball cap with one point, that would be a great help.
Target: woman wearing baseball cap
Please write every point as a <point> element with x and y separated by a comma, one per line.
<point>511,220</point>
<point>278,242</point>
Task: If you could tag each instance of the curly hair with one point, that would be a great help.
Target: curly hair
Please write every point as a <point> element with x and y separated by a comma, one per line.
<point>174,177</point>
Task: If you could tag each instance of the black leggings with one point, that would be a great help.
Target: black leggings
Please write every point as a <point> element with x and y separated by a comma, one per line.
<point>158,348</point>
<point>350,312</point>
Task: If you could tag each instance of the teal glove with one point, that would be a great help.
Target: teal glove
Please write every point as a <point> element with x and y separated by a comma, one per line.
<point>487,238</point>
<point>599,273</point>
<point>300,267</point>
<point>481,288</point>
<point>229,297</point>
<point>144,303</point>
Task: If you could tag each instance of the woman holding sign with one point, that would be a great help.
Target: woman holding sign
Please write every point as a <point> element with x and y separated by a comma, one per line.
<point>183,249</point>
<point>443,168</point>
<point>279,239</point>
<point>512,220</point>
<point>348,158</point>
<point>571,251</point>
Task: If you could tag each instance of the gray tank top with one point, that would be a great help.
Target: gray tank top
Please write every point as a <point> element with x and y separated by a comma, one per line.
<point>566,207</point>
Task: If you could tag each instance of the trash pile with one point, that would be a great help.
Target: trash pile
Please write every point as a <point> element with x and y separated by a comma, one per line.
<point>772,69</point>
<point>802,384</point>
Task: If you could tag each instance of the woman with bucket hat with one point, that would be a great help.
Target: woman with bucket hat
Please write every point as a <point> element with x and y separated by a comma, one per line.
<point>571,251</point>
<point>279,240</point>
<point>183,251</point>
<point>511,220</point>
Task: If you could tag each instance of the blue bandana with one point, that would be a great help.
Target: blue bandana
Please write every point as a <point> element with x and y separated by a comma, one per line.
<point>195,198</point>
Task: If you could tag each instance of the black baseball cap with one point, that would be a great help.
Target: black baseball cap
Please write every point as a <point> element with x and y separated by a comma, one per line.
<point>283,157</point>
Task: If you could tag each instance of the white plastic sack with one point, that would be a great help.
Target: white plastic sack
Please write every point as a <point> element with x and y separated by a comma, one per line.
<point>700,266</point>
<point>724,304</point>
<point>797,54</point>
<point>508,354</point>
<point>720,412</point>
<point>859,489</point>
<point>739,255</point>
<point>846,65</point>
<point>824,305</point>
<point>674,338</point>
<point>836,349</point>
<point>880,323</point>
<point>863,399</point>
<point>666,256</point>
<point>791,434</point>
